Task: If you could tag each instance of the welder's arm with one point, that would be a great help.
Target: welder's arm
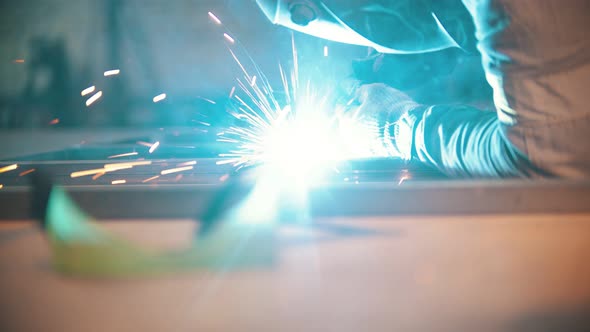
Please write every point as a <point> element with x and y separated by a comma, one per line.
<point>460,141</point>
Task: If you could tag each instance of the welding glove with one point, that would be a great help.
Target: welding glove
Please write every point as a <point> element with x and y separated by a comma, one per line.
<point>388,111</point>
<point>458,140</point>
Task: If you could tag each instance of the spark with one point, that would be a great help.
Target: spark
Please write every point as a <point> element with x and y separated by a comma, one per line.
<point>98,170</point>
<point>153,147</point>
<point>224,178</point>
<point>301,137</point>
<point>404,177</point>
<point>97,175</point>
<point>27,172</point>
<point>146,144</point>
<point>176,170</point>
<point>204,123</point>
<point>150,179</point>
<point>1,186</point>
<point>229,38</point>
<point>159,97</point>
<point>214,18</point>
<point>8,168</point>
<point>188,163</point>
<point>94,98</point>
<point>207,100</point>
<point>119,182</point>
<point>129,164</point>
<point>122,155</point>
<point>88,90</point>
<point>54,122</point>
<point>112,72</point>
<point>19,61</point>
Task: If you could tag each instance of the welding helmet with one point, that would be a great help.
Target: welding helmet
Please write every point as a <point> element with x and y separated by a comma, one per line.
<point>389,26</point>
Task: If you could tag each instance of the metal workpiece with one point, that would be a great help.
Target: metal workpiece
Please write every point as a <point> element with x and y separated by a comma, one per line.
<point>180,201</point>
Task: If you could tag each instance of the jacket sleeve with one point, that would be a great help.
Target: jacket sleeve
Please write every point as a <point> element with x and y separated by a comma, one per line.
<point>460,141</point>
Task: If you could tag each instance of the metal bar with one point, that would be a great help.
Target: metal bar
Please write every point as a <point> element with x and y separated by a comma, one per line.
<point>368,199</point>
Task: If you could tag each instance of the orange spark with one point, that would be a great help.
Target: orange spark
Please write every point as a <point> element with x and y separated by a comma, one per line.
<point>54,122</point>
<point>94,98</point>
<point>88,90</point>
<point>150,179</point>
<point>159,98</point>
<point>188,163</point>
<point>146,144</point>
<point>214,18</point>
<point>127,165</point>
<point>122,155</point>
<point>154,147</point>
<point>97,175</point>
<point>27,172</point>
<point>176,170</point>
<point>112,72</point>
<point>229,38</point>
<point>8,168</point>
<point>99,170</point>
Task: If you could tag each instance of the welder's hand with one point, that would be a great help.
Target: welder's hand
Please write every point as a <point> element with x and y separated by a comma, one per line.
<point>385,110</point>
<point>379,102</point>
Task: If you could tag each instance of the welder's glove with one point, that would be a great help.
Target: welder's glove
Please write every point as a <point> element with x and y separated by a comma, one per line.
<point>389,112</point>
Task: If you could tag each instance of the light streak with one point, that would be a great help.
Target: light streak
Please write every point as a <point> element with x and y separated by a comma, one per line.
<point>112,72</point>
<point>325,51</point>
<point>176,170</point>
<point>119,182</point>
<point>8,168</point>
<point>214,18</point>
<point>406,176</point>
<point>150,179</point>
<point>122,155</point>
<point>94,98</point>
<point>19,61</point>
<point>96,176</point>
<point>229,38</point>
<point>87,172</point>
<point>188,163</point>
<point>146,144</point>
<point>159,98</point>
<point>153,147</point>
<point>97,171</point>
<point>88,90</point>
<point>54,122</point>
<point>253,82</point>
<point>224,178</point>
<point>27,172</point>
<point>207,100</point>
<point>129,164</point>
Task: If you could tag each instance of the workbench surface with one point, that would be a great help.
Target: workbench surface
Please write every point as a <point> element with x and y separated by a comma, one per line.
<point>464,273</point>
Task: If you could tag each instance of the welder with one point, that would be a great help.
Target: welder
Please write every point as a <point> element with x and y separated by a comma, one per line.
<point>535,55</point>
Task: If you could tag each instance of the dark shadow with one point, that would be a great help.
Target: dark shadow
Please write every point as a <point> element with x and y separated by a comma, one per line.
<point>571,319</point>
<point>47,94</point>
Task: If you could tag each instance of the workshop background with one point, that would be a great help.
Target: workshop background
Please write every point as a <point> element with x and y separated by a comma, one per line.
<point>52,50</point>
